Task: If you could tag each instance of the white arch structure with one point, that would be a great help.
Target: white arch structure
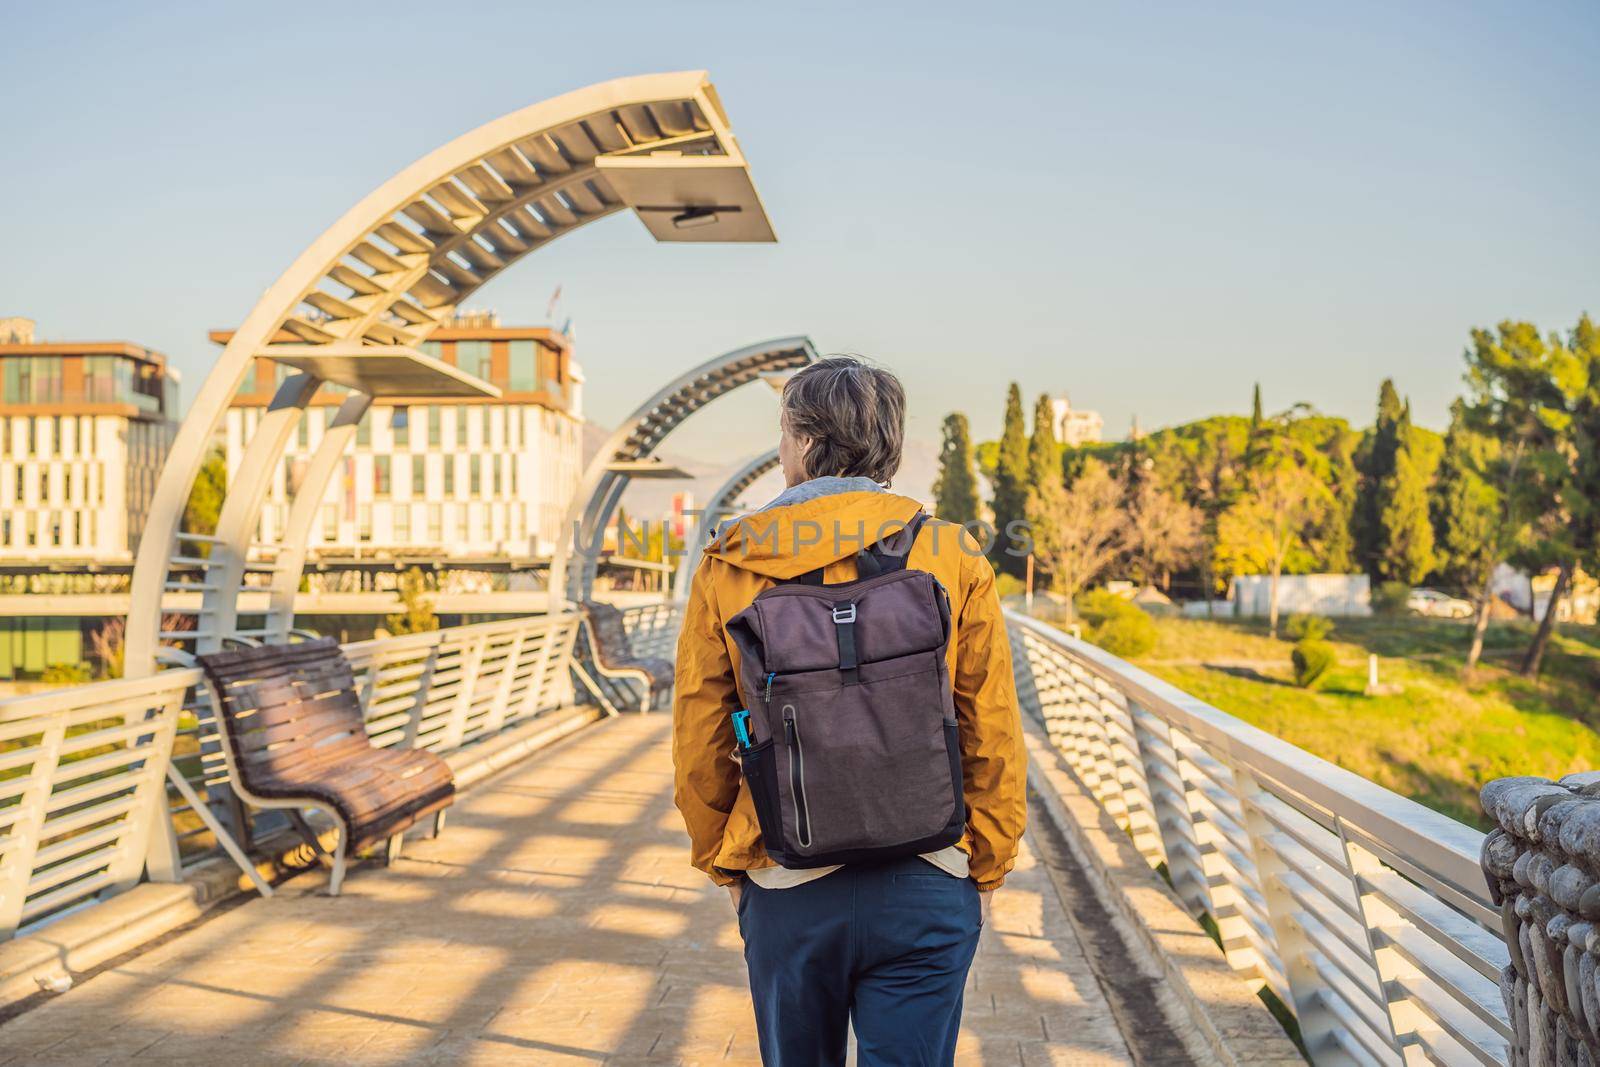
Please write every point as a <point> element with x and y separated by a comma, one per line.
<point>628,451</point>
<point>356,303</point>
<point>719,507</point>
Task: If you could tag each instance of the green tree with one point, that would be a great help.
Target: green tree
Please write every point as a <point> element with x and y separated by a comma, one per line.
<point>1010,501</point>
<point>1044,453</point>
<point>416,606</point>
<point>1538,393</point>
<point>955,491</point>
<point>1334,538</point>
<point>1272,518</point>
<point>1164,531</point>
<point>204,506</point>
<point>1407,531</point>
<point>1479,511</point>
<point>1394,534</point>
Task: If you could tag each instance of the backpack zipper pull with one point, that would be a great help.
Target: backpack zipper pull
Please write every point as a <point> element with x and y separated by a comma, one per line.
<point>770,677</point>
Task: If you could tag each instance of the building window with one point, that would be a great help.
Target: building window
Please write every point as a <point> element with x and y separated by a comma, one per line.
<point>473,357</point>
<point>330,522</point>
<point>302,431</point>
<point>495,472</point>
<point>419,478</point>
<point>248,385</point>
<point>364,522</point>
<point>431,349</point>
<point>461,427</point>
<point>400,427</point>
<point>364,430</point>
<point>475,474</point>
<point>402,524</point>
<point>524,369</point>
<point>435,524</point>
<point>449,476</point>
<point>434,413</point>
<point>380,475</point>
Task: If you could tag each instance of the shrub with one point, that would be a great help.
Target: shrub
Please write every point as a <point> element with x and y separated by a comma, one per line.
<point>1008,585</point>
<point>1311,658</point>
<point>1115,624</point>
<point>1313,627</point>
<point>1096,607</point>
<point>1390,598</point>
<point>1129,635</point>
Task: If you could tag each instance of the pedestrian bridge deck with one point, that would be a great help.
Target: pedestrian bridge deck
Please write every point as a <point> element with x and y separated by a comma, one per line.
<point>556,921</point>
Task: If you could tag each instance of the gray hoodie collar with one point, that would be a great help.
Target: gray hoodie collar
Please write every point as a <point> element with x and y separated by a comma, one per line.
<point>831,485</point>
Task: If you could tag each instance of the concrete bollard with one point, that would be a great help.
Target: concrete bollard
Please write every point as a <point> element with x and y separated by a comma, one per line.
<point>1542,862</point>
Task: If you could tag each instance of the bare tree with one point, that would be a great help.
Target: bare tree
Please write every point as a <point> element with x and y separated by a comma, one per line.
<point>1164,533</point>
<point>1078,532</point>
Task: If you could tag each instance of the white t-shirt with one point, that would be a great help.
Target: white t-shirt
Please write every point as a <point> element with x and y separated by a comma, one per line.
<point>950,859</point>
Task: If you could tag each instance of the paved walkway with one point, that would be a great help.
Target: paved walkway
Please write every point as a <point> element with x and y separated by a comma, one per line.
<point>555,922</point>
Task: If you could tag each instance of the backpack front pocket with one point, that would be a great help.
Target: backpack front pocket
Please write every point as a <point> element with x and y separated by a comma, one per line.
<point>866,766</point>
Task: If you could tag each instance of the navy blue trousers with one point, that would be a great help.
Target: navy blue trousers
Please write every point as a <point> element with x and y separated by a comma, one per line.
<point>886,947</point>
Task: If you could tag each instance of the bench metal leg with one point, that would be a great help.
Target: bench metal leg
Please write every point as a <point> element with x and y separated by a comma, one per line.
<point>438,821</point>
<point>336,880</point>
<point>309,835</point>
<point>392,849</point>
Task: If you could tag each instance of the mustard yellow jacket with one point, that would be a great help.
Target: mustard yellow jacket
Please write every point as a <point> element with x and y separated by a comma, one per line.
<point>785,542</point>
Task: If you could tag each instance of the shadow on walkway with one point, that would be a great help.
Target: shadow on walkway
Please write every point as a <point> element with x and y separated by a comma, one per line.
<point>555,922</point>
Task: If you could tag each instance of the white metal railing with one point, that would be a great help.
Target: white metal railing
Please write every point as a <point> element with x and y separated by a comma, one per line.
<point>82,784</point>
<point>653,629</point>
<point>85,798</point>
<point>1364,912</point>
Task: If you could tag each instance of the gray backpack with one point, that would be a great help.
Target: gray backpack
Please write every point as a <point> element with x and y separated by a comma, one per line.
<point>848,734</point>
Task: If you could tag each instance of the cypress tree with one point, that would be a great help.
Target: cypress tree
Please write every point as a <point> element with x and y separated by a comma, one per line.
<point>1010,502</point>
<point>1044,454</point>
<point>1406,532</point>
<point>955,491</point>
<point>1375,460</point>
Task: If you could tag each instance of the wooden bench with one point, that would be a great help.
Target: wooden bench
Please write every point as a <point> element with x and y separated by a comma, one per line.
<point>294,737</point>
<point>612,654</point>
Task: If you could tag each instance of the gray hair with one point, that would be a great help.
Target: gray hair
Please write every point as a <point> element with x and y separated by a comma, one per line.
<point>853,415</point>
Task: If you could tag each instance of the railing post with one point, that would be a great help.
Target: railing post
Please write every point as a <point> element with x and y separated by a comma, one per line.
<point>1294,951</point>
<point>149,812</point>
<point>16,869</point>
<point>508,675</point>
<point>471,658</point>
<point>419,704</point>
<point>1164,770</point>
<point>546,632</point>
<point>1388,966</point>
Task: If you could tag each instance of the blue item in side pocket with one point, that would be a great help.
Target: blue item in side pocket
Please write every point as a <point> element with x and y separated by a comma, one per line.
<point>741,727</point>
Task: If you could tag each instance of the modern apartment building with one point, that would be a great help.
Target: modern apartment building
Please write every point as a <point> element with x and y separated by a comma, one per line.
<point>84,429</point>
<point>467,480</point>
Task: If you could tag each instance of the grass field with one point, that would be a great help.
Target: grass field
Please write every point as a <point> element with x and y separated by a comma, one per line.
<point>1435,738</point>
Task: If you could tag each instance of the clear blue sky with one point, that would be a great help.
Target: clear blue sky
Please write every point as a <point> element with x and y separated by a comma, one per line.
<point>1148,205</point>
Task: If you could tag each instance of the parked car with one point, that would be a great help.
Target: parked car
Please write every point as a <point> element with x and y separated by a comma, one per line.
<point>1438,605</point>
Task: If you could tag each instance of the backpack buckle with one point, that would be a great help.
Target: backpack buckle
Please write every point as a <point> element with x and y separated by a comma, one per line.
<point>844,613</point>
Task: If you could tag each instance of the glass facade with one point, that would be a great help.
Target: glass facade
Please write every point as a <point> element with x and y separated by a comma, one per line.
<point>473,357</point>
<point>96,379</point>
<point>524,369</point>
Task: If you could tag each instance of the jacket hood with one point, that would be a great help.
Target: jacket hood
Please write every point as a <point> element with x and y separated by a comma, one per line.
<point>787,541</point>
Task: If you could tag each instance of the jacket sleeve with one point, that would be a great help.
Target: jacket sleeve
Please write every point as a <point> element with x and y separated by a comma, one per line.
<point>705,779</point>
<point>994,759</point>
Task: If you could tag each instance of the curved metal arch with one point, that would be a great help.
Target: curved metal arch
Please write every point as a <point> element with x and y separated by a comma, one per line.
<point>717,508</point>
<point>402,259</point>
<point>572,569</point>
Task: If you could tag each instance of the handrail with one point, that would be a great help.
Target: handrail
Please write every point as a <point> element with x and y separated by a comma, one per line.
<point>1364,912</point>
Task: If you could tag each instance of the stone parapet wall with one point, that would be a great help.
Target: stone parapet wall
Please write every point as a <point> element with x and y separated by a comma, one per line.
<point>1542,862</point>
